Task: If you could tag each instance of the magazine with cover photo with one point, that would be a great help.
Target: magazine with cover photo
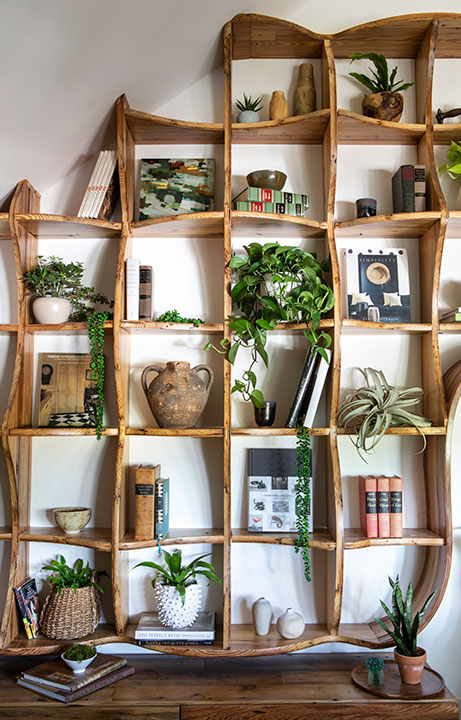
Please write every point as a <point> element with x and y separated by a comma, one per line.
<point>29,606</point>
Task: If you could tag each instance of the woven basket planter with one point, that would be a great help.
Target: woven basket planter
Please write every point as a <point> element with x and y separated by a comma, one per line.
<point>72,614</point>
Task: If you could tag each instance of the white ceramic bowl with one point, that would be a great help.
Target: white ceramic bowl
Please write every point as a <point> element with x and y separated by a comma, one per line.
<point>78,667</point>
<point>72,519</point>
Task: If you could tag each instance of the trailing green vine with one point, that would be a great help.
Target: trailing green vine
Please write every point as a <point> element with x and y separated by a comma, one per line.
<point>174,317</point>
<point>96,334</point>
<point>303,496</point>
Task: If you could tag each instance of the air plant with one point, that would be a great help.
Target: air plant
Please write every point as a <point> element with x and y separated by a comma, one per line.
<point>370,410</point>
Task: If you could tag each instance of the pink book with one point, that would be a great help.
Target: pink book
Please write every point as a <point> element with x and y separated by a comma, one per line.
<point>384,520</point>
<point>395,487</point>
<point>368,506</point>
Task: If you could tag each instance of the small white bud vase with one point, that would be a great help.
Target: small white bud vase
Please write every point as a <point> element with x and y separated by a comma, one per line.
<point>262,614</point>
<point>290,624</point>
<point>171,612</point>
<point>51,310</point>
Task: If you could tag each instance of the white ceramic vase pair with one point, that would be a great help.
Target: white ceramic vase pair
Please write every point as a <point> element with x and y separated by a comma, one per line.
<point>290,624</point>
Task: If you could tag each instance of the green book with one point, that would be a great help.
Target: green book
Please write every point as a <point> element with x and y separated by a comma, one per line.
<point>273,196</point>
<point>274,207</point>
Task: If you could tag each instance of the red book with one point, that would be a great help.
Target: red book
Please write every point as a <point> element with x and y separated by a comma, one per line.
<point>257,206</point>
<point>395,487</point>
<point>368,506</point>
<point>384,519</point>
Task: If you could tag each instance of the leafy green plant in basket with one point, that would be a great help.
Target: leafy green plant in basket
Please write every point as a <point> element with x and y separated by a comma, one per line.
<point>76,576</point>
<point>370,410</point>
<point>274,284</point>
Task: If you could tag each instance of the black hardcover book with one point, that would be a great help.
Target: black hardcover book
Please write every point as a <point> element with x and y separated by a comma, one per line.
<point>403,189</point>
<point>310,387</point>
<point>300,394</point>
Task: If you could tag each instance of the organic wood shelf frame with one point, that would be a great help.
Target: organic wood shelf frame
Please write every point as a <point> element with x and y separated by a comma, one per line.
<point>422,37</point>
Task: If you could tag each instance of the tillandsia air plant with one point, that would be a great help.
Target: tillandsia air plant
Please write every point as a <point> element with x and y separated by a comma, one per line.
<point>78,576</point>
<point>52,277</point>
<point>380,80</point>
<point>370,410</point>
<point>406,628</point>
<point>178,575</point>
<point>274,284</point>
<point>303,496</point>
<point>249,104</point>
<point>174,316</point>
<point>453,166</point>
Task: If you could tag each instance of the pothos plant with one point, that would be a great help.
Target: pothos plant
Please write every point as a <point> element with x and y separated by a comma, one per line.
<point>274,283</point>
<point>76,576</point>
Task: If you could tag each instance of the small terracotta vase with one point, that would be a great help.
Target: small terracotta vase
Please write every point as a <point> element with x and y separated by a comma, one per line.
<point>383,106</point>
<point>305,97</point>
<point>411,668</point>
<point>278,106</point>
<point>177,396</point>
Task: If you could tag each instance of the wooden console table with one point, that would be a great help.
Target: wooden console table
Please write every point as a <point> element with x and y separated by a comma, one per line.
<point>295,687</point>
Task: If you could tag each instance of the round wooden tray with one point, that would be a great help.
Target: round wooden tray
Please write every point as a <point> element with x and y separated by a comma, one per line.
<point>431,683</point>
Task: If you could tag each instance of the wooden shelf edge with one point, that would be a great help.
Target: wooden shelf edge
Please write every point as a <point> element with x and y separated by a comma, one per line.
<point>433,430</point>
<point>354,539</point>
<point>429,217</point>
<point>8,328</point>
<point>198,217</point>
<point>60,432</point>
<point>178,432</point>
<point>414,328</point>
<point>236,432</point>
<point>318,539</point>
<point>95,538</point>
<point>133,325</point>
<point>176,536</point>
<point>25,218</point>
<point>63,327</point>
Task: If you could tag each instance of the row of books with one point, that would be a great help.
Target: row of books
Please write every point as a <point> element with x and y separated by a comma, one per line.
<point>409,189</point>
<point>309,390</point>
<point>380,506</point>
<point>275,201</point>
<point>151,631</point>
<point>138,290</point>
<point>151,503</point>
<point>55,680</point>
<point>452,315</point>
<point>102,192</point>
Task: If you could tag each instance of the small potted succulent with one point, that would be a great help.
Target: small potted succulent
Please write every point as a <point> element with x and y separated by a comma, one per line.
<point>370,410</point>
<point>59,291</point>
<point>409,657</point>
<point>176,589</point>
<point>385,100</point>
<point>72,609</point>
<point>249,109</point>
<point>78,657</point>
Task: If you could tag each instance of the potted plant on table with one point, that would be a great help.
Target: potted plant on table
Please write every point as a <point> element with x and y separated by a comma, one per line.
<point>370,410</point>
<point>249,109</point>
<point>385,100</point>
<point>409,657</point>
<point>176,589</point>
<point>72,609</point>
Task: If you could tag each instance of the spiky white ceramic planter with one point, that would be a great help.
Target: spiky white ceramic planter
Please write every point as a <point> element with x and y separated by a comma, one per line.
<point>171,611</point>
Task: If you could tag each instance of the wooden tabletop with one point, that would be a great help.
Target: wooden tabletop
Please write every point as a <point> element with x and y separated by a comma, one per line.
<point>294,687</point>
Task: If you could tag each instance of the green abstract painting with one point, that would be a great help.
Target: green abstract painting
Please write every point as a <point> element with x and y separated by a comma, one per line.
<point>175,187</point>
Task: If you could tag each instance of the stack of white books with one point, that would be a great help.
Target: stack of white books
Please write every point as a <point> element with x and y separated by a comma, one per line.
<point>151,631</point>
<point>98,185</point>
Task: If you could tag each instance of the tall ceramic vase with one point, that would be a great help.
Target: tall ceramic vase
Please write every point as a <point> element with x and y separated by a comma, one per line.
<point>305,98</point>
<point>278,107</point>
<point>262,613</point>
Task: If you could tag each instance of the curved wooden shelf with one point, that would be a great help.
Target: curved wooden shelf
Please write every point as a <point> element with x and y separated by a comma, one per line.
<point>356,129</point>
<point>381,327</point>
<point>444,134</point>
<point>300,129</point>
<point>216,432</point>
<point>318,539</point>
<point>65,226</point>
<point>263,431</point>
<point>60,432</point>
<point>149,129</point>
<point>403,431</point>
<point>354,539</point>
<point>399,225</point>
<point>450,327</point>
<point>5,533</point>
<point>96,538</point>
<point>176,536</point>
<point>248,224</point>
<point>8,328</point>
<point>260,36</point>
<point>187,225</point>
<point>68,327</point>
<point>170,327</point>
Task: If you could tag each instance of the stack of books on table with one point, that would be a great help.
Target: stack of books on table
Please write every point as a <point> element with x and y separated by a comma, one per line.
<point>276,201</point>
<point>55,680</point>
<point>151,631</point>
<point>450,316</point>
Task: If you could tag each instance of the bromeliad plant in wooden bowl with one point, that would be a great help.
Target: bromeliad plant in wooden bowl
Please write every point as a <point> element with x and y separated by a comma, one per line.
<point>385,100</point>
<point>409,657</point>
<point>177,591</point>
<point>274,284</point>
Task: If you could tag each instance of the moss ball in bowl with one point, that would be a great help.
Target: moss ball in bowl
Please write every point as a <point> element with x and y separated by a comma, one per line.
<point>78,657</point>
<point>268,179</point>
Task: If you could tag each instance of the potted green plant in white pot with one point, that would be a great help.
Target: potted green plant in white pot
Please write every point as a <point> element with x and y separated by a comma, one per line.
<point>249,109</point>
<point>177,591</point>
<point>385,100</point>
<point>409,657</point>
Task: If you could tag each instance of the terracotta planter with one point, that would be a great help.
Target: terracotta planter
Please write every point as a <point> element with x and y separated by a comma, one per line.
<point>411,668</point>
<point>383,106</point>
<point>177,396</point>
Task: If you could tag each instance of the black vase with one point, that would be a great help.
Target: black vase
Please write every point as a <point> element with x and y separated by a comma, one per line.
<point>265,415</point>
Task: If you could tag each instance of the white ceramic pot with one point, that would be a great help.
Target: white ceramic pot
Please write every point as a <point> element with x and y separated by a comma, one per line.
<point>78,667</point>
<point>290,624</point>
<point>171,612</point>
<point>262,613</point>
<point>248,116</point>
<point>51,310</point>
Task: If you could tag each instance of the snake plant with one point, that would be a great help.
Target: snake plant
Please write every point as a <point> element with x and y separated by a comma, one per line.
<point>406,628</point>
<point>371,410</point>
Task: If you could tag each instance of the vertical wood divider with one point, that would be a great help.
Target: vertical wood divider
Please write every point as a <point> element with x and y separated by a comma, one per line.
<point>227,618</point>
<point>19,408</point>
<point>335,560</point>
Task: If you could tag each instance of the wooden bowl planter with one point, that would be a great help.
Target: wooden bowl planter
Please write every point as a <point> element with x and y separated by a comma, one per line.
<point>383,106</point>
<point>71,614</point>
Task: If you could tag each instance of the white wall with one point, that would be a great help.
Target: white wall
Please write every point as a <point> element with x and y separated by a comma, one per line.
<point>194,465</point>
